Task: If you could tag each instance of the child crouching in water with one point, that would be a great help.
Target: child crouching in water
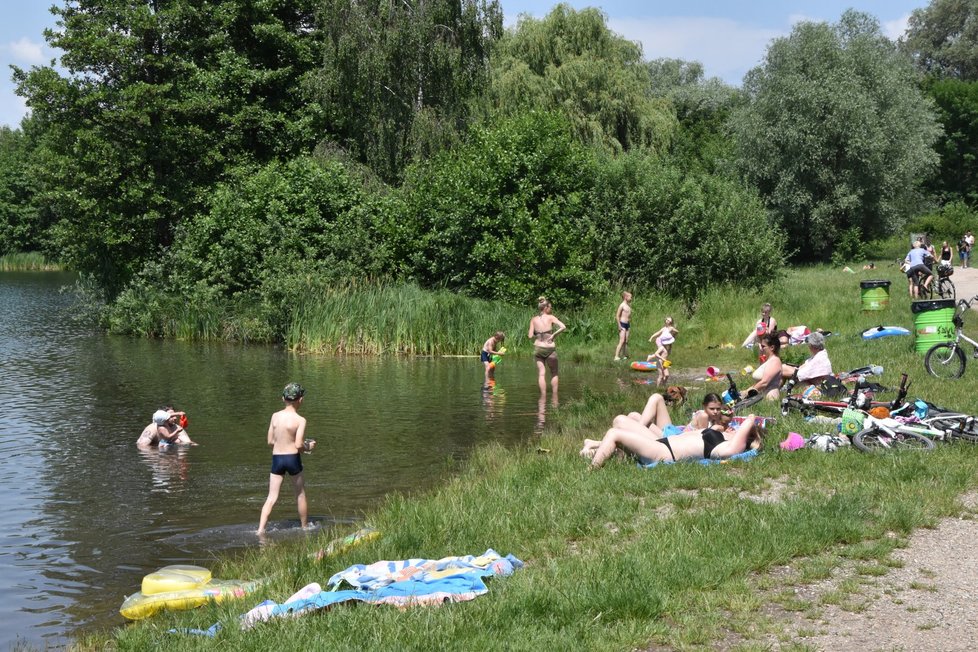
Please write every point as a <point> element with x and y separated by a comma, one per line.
<point>490,349</point>
<point>663,338</point>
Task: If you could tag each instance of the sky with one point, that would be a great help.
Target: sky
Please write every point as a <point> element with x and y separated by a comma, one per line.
<point>729,37</point>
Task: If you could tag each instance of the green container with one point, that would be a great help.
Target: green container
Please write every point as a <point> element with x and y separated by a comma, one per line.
<point>876,294</point>
<point>933,322</point>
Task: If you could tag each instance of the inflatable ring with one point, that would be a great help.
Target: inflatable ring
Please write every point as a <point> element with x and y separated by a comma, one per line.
<point>178,577</point>
<point>641,365</point>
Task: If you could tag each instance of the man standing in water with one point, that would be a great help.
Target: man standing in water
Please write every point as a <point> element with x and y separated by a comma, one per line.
<point>286,436</point>
<point>623,318</point>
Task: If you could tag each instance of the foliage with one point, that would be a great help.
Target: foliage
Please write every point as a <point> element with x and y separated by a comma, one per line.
<point>849,247</point>
<point>19,224</point>
<point>503,217</point>
<point>836,135</point>
<point>957,109</point>
<point>949,223</point>
<point>398,77</point>
<point>703,107</point>
<point>157,99</point>
<point>943,39</point>
<point>570,62</point>
<point>661,228</point>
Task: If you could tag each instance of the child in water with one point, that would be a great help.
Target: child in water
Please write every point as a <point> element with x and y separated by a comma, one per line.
<point>287,437</point>
<point>490,349</point>
<point>663,338</point>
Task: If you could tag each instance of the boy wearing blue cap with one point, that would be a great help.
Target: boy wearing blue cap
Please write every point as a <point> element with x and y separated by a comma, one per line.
<point>286,436</point>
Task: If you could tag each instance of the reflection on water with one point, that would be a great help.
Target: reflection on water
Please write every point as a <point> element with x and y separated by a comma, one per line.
<point>84,513</point>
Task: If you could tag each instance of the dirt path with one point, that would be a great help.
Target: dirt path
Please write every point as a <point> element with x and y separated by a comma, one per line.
<point>927,605</point>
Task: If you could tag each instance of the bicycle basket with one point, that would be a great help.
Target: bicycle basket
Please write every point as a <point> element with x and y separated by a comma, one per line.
<point>944,270</point>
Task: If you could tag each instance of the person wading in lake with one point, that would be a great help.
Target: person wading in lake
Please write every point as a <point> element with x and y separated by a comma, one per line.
<point>544,329</point>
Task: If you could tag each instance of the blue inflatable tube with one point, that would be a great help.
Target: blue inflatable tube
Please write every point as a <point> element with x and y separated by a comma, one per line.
<point>884,331</point>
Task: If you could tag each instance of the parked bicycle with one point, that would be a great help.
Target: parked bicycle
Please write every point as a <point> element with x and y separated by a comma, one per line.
<point>885,434</point>
<point>860,397</point>
<point>948,359</point>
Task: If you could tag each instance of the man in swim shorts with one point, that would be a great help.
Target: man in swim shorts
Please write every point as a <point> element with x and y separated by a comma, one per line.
<point>623,317</point>
<point>286,436</point>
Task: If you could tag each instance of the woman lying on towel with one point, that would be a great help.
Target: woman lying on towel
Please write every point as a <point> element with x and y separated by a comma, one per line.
<point>705,443</point>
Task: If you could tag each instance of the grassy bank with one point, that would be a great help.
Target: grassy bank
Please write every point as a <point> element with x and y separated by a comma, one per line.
<point>27,262</point>
<point>680,556</point>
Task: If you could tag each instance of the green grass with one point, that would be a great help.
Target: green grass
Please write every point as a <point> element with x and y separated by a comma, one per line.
<point>680,556</point>
<point>27,262</point>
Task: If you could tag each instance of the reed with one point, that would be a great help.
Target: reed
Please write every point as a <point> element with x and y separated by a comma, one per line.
<point>679,557</point>
<point>27,262</point>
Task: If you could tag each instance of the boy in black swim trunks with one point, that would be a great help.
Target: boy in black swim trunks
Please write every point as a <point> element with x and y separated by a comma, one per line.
<point>286,436</point>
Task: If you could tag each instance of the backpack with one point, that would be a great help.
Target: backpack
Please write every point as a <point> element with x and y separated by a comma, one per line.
<point>832,387</point>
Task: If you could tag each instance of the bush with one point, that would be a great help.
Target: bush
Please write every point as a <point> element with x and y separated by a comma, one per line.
<point>505,216</point>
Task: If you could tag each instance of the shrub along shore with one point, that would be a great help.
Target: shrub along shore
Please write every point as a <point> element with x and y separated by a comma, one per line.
<point>679,556</point>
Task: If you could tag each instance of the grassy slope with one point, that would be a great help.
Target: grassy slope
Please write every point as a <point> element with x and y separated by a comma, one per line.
<point>624,558</point>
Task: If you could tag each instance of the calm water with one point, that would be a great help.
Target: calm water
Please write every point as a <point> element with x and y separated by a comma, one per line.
<point>84,514</point>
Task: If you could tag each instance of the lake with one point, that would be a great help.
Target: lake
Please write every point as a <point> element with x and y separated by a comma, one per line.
<point>84,514</point>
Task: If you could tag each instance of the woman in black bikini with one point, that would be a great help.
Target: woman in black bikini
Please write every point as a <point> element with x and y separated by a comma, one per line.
<point>542,332</point>
<point>706,443</point>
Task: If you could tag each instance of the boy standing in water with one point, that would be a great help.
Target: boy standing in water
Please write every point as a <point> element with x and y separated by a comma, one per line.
<point>489,349</point>
<point>623,317</point>
<point>286,436</point>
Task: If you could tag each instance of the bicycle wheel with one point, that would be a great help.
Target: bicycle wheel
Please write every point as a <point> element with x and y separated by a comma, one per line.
<point>875,440</point>
<point>958,426</point>
<point>945,288</point>
<point>945,360</point>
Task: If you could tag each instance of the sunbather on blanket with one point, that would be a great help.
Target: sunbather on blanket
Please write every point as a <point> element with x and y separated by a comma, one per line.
<point>705,443</point>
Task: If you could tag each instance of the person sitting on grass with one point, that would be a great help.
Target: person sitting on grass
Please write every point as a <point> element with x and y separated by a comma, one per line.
<point>705,443</point>
<point>768,375</point>
<point>816,368</point>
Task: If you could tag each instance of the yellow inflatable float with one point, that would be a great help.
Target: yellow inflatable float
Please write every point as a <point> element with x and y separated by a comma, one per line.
<point>181,587</point>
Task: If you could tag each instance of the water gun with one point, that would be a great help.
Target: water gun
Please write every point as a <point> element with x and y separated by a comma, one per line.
<point>496,357</point>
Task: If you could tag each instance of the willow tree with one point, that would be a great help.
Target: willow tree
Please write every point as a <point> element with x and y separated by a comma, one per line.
<point>836,133</point>
<point>398,76</point>
<point>570,62</point>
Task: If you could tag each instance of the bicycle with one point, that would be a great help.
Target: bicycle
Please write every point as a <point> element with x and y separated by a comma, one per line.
<point>881,435</point>
<point>861,398</point>
<point>941,285</point>
<point>947,360</point>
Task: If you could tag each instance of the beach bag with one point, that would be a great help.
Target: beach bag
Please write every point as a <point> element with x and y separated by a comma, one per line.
<point>852,422</point>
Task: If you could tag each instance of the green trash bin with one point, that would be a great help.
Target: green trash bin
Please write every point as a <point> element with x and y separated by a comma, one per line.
<point>933,322</point>
<point>876,294</point>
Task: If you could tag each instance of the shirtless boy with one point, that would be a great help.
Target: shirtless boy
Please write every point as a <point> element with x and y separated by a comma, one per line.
<point>286,436</point>
<point>623,317</point>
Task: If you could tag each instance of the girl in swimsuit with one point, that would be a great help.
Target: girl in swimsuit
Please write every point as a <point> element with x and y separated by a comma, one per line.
<point>706,443</point>
<point>542,332</point>
<point>663,338</point>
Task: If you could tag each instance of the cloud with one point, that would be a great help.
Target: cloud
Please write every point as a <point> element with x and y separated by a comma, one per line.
<point>726,48</point>
<point>26,51</point>
<point>894,29</point>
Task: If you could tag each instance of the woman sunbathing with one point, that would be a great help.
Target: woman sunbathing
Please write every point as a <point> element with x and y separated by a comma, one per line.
<point>705,443</point>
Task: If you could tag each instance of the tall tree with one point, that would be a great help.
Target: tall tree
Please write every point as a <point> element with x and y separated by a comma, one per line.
<point>957,106</point>
<point>398,76</point>
<point>572,63</point>
<point>159,97</point>
<point>836,134</point>
<point>19,224</point>
<point>943,39</point>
